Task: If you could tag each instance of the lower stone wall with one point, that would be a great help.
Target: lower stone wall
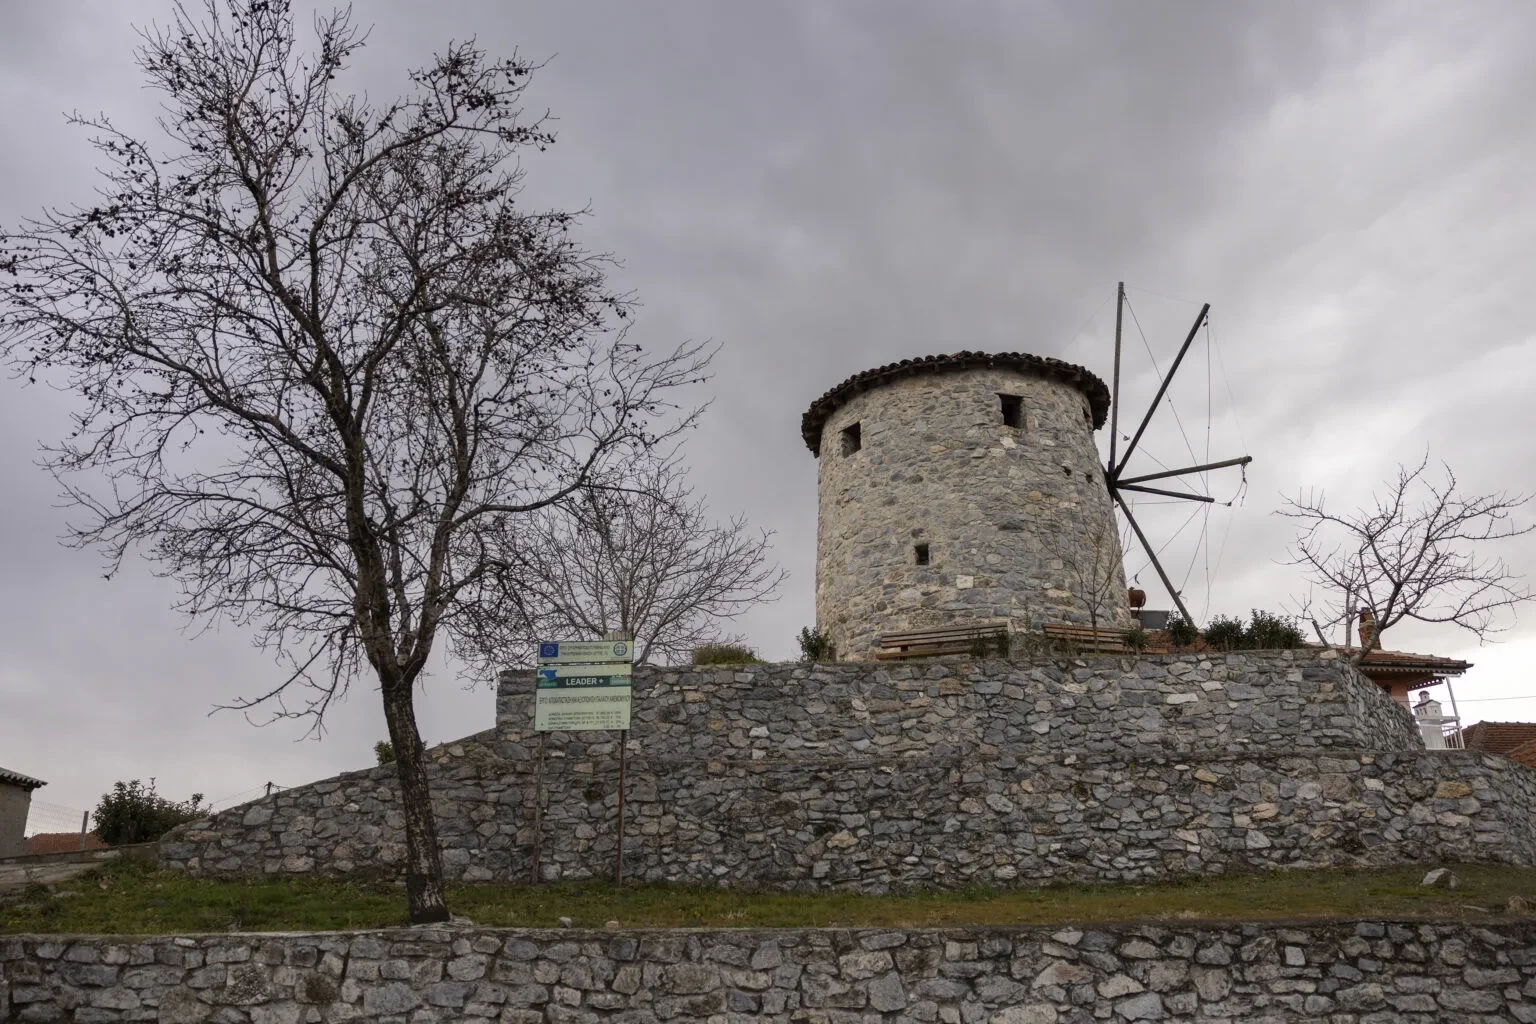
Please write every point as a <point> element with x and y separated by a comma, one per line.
<point>1370,972</point>
<point>876,824</point>
<point>942,773</point>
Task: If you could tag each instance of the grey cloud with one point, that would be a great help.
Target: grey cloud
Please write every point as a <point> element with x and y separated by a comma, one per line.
<point>823,188</point>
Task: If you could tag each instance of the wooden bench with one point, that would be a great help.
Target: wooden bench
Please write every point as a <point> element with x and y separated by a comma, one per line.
<point>1086,638</point>
<point>925,643</point>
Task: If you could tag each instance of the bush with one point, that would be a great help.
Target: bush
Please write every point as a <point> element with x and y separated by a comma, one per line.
<point>1181,632</point>
<point>1136,638</point>
<point>815,646</point>
<point>135,813</point>
<point>1270,632</point>
<point>384,751</point>
<point>1224,634</point>
<point>725,654</point>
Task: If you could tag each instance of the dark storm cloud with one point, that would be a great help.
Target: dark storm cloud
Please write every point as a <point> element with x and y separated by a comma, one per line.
<point>824,187</point>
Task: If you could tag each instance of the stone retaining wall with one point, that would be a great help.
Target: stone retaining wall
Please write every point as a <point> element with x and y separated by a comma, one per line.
<point>1350,973</point>
<point>872,777</point>
<point>876,824</point>
<point>1240,702</point>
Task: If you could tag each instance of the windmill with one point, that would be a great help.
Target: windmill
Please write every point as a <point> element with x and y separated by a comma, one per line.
<point>1115,472</point>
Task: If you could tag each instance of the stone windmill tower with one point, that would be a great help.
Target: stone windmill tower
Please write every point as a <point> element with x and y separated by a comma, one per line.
<point>962,488</point>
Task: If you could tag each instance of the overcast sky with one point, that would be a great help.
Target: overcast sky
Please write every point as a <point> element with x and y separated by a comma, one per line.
<point>825,186</point>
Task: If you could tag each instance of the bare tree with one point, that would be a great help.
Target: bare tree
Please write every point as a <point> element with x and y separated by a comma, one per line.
<point>325,360</point>
<point>644,559</point>
<point>1095,573</point>
<point>1416,554</point>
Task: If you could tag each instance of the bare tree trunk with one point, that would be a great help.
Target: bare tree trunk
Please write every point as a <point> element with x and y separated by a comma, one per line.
<point>425,899</point>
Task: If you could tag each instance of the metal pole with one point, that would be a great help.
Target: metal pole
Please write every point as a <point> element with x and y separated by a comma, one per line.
<point>1153,555</point>
<point>1166,494</point>
<point>1451,693</point>
<point>1114,398</point>
<point>538,808</point>
<point>1241,460</point>
<point>1163,389</point>
<point>85,821</point>
<point>618,864</point>
<point>269,789</point>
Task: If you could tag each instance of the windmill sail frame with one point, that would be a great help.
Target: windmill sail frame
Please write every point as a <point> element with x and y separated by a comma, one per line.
<point>1115,467</point>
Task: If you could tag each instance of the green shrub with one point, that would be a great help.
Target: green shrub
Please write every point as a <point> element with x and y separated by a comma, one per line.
<point>1136,638</point>
<point>1181,632</point>
<point>1270,632</point>
<point>135,813</point>
<point>384,751</point>
<point>725,654</point>
<point>1224,634</point>
<point>815,646</point>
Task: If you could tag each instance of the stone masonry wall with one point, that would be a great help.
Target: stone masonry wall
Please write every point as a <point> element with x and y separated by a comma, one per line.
<point>1368,972</point>
<point>942,773</point>
<point>1006,512</point>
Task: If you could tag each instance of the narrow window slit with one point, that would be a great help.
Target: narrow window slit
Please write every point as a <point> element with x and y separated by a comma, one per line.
<point>852,439</point>
<point>920,553</point>
<point>1013,410</point>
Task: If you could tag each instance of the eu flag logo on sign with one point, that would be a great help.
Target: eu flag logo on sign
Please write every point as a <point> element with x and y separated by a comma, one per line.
<point>549,650</point>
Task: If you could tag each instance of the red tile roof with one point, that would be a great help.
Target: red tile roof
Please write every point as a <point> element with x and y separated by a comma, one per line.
<point>1402,661</point>
<point>1525,753</point>
<point>1498,737</point>
<point>61,842</point>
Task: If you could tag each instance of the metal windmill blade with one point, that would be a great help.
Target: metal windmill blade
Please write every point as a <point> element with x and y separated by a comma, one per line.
<point>1114,472</point>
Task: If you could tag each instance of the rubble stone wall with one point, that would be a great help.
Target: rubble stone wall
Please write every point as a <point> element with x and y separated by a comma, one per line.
<point>1369,972</point>
<point>948,774</point>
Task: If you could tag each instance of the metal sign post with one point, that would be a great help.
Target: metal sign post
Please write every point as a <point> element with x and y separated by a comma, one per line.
<point>618,861</point>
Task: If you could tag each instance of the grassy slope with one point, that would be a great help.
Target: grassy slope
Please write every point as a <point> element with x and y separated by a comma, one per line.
<point>128,897</point>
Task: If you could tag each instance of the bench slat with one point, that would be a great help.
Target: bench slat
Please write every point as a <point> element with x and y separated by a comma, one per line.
<point>945,633</point>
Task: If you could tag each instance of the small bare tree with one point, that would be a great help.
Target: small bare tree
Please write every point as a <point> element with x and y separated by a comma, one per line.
<point>326,361</point>
<point>1095,574</point>
<point>642,559</point>
<point>1416,554</point>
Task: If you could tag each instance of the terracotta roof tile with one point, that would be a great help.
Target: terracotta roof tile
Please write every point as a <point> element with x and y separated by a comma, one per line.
<point>61,842</point>
<point>1525,753</point>
<point>1044,366</point>
<point>18,779</point>
<point>1498,737</point>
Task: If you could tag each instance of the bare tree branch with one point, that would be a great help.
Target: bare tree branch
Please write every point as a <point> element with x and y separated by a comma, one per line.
<point>640,556</point>
<point>1416,554</point>
<point>329,363</point>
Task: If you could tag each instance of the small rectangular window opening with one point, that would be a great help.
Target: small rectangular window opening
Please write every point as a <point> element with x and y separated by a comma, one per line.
<point>1013,410</point>
<point>852,442</point>
<point>920,553</point>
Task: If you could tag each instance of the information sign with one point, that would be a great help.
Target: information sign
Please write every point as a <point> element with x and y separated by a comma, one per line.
<point>583,685</point>
<point>591,651</point>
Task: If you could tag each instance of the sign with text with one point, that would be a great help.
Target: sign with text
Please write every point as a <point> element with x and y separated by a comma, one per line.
<point>593,651</point>
<point>583,685</point>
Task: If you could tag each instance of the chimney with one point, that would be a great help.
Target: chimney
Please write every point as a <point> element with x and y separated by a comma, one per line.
<point>1367,626</point>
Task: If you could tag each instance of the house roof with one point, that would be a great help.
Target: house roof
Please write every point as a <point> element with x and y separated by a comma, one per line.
<point>27,782</point>
<point>1403,661</point>
<point>61,842</point>
<point>1041,366</point>
<point>1498,737</point>
<point>1525,753</point>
